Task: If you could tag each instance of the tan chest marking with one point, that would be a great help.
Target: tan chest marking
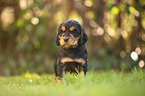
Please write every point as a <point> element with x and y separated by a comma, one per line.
<point>80,60</point>
<point>67,59</point>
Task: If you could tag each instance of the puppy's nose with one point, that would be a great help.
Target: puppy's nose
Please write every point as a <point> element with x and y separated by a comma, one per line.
<point>66,39</point>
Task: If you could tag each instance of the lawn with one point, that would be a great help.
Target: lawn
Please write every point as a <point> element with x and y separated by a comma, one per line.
<point>106,83</point>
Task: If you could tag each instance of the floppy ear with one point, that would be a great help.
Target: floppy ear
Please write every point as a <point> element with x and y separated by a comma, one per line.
<point>57,38</point>
<point>84,36</point>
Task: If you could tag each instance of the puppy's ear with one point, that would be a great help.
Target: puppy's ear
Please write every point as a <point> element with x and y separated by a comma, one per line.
<point>84,36</point>
<point>57,38</point>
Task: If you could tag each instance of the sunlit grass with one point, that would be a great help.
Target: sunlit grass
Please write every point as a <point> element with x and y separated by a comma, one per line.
<point>108,83</point>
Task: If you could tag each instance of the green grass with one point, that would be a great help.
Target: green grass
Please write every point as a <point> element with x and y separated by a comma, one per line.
<point>108,83</point>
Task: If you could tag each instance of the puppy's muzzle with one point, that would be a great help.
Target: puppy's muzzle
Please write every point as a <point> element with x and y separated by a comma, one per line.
<point>66,40</point>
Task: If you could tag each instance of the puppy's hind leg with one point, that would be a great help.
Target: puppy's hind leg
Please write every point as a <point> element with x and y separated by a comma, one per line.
<point>85,68</point>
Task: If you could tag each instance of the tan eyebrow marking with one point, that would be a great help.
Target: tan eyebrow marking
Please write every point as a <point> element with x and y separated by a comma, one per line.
<point>71,28</point>
<point>63,28</point>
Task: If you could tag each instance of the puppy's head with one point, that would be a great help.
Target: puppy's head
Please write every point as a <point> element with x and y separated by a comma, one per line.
<point>71,34</point>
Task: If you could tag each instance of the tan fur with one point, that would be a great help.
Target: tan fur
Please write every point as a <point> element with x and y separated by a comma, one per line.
<point>80,60</point>
<point>67,59</point>
<point>72,42</point>
<point>57,79</point>
<point>71,28</point>
<point>63,28</point>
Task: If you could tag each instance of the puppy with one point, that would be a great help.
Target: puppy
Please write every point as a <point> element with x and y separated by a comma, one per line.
<point>72,53</point>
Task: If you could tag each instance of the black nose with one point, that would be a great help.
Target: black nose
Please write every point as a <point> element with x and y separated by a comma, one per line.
<point>66,39</point>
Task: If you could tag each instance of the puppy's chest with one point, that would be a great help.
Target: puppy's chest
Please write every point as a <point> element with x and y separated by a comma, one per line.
<point>65,60</point>
<point>67,56</point>
<point>72,53</point>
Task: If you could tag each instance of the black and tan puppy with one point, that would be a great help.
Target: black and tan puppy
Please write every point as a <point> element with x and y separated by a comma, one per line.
<point>72,53</point>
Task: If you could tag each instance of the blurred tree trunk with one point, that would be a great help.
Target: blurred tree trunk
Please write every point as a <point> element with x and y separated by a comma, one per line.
<point>99,7</point>
<point>99,11</point>
<point>120,44</point>
<point>8,40</point>
<point>12,40</point>
<point>136,33</point>
<point>81,9</point>
<point>68,7</point>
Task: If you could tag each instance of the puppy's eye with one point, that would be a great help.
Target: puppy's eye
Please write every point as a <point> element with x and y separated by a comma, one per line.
<point>75,31</point>
<point>60,34</point>
<point>61,31</point>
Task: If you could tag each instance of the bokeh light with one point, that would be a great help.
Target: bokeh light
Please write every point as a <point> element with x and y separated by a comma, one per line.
<point>88,3</point>
<point>128,48</point>
<point>28,15</point>
<point>111,32</point>
<point>143,37</point>
<point>135,23</point>
<point>93,24</point>
<point>98,32</point>
<point>115,10</point>
<point>107,38</point>
<point>25,3</point>
<point>141,64</point>
<point>25,38</point>
<point>131,9</point>
<point>138,51</point>
<point>7,16</point>
<point>124,34</point>
<point>34,20</point>
<point>136,13</point>
<point>122,54</point>
<point>89,14</point>
<point>134,56</point>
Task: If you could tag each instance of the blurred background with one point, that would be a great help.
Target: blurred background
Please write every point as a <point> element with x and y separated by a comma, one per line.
<point>116,31</point>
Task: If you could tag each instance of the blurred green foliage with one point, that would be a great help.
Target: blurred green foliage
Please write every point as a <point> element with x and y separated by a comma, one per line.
<point>28,29</point>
